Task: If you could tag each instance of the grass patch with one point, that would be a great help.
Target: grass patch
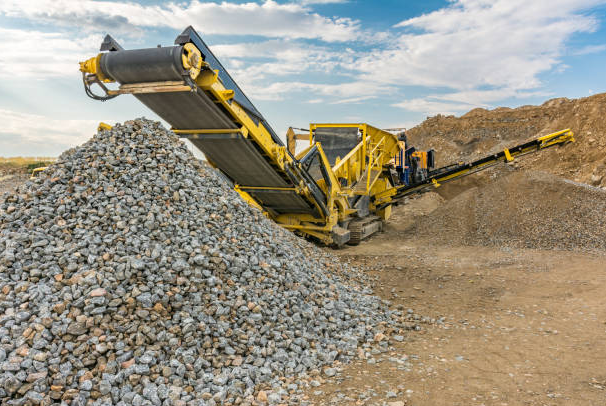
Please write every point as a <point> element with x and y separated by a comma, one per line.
<point>26,163</point>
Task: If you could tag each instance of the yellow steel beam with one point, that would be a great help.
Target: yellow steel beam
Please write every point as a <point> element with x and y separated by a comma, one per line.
<point>209,131</point>
<point>268,188</point>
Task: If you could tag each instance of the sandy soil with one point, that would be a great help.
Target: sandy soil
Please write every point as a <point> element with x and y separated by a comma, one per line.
<point>11,178</point>
<point>520,327</point>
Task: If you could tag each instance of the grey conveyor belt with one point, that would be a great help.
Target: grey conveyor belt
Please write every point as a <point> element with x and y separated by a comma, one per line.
<point>235,155</point>
<point>182,110</point>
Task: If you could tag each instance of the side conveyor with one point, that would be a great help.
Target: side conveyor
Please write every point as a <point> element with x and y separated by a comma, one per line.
<point>456,171</point>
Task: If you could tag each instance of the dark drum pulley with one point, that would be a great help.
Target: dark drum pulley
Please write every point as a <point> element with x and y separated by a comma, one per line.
<point>144,65</point>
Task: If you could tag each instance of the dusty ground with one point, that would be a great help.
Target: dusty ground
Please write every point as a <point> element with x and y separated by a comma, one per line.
<point>520,327</point>
<point>11,177</point>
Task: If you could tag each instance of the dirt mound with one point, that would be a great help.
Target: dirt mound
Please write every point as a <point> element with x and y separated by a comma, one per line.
<point>483,131</point>
<point>525,209</point>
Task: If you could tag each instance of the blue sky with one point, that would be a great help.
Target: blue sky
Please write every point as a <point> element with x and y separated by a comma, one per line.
<point>389,63</point>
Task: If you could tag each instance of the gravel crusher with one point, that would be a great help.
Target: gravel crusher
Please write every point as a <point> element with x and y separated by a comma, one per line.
<point>338,190</point>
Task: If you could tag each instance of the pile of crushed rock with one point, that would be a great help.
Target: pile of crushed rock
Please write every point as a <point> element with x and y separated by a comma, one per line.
<point>130,274</point>
<point>524,209</point>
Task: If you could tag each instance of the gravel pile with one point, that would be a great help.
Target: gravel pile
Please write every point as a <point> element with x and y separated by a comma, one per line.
<point>131,274</point>
<point>524,209</point>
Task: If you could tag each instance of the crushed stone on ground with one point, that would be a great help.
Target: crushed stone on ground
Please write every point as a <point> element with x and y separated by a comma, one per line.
<point>132,274</point>
<point>524,209</point>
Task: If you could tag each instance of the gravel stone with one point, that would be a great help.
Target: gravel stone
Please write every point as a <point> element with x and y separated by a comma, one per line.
<point>550,213</point>
<point>274,398</point>
<point>86,385</point>
<point>148,281</point>
<point>330,371</point>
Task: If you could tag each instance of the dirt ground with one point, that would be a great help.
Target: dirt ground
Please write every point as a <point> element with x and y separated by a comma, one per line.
<point>11,177</point>
<point>514,326</point>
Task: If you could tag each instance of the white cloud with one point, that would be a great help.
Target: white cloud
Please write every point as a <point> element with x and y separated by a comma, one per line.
<point>471,45</point>
<point>462,101</point>
<point>484,98</point>
<point>268,59</point>
<point>323,1</point>
<point>40,55</point>
<point>357,99</point>
<point>262,77</point>
<point>336,91</point>
<point>269,19</point>
<point>41,135</point>
<point>479,52</point>
<point>589,49</point>
<point>432,107</point>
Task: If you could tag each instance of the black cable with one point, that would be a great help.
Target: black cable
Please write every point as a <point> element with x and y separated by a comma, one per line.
<point>89,92</point>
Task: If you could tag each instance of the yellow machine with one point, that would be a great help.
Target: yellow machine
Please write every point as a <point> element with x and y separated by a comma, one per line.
<point>37,171</point>
<point>338,190</point>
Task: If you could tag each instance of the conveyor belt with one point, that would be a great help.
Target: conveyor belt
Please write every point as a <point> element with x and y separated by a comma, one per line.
<point>237,156</point>
<point>187,110</point>
<point>182,110</point>
<point>239,159</point>
<point>457,171</point>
